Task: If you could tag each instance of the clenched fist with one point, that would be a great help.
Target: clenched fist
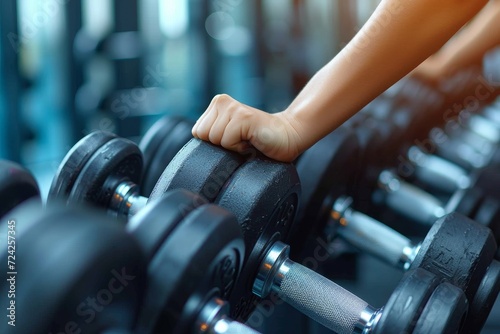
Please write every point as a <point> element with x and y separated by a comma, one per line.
<point>236,127</point>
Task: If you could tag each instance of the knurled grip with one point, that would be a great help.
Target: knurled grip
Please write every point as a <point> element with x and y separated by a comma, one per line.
<point>439,172</point>
<point>412,201</point>
<point>227,326</point>
<point>320,299</point>
<point>375,238</point>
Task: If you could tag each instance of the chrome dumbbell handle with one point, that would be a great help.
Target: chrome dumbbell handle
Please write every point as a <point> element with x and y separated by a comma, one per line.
<point>439,172</point>
<point>213,319</point>
<point>409,200</point>
<point>126,201</point>
<point>312,294</point>
<point>372,236</point>
<point>485,128</point>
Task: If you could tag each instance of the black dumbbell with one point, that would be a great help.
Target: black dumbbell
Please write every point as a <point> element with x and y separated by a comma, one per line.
<point>322,187</point>
<point>104,170</point>
<point>195,253</point>
<point>205,248</point>
<point>159,146</point>
<point>17,185</point>
<point>414,203</point>
<point>73,271</point>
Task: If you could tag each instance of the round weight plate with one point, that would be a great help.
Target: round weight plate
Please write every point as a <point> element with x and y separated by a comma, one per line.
<point>166,151</point>
<point>263,195</point>
<point>199,167</point>
<point>201,259</point>
<point>152,225</point>
<point>114,162</point>
<point>76,271</point>
<point>74,162</point>
<point>153,138</point>
<point>488,214</point>
<point>16,186</point>
<point>465,202</point>
<point>458,250</point>
<point>326,170</point>
<point>485,298</point>
<point>445,311</point>
<point>406,303</point>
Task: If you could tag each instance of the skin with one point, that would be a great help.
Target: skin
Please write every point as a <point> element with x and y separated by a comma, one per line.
<point>467,49</point>
<point>366,67</point>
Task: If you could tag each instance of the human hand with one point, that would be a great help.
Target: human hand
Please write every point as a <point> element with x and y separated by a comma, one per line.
<point>236,127</point>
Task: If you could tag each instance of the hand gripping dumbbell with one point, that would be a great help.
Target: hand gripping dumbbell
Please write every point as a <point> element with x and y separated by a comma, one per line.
<point>105,170</point>
<point>207,246</point>
<point>73,271</point>
<point>159,146</point>
<point>442,252</point>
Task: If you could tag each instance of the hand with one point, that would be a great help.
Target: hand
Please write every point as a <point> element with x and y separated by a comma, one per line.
<point>236,127</point>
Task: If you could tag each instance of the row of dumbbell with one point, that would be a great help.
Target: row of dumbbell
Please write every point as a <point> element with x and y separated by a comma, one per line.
<point>81,271</point>
<point>131,203</point>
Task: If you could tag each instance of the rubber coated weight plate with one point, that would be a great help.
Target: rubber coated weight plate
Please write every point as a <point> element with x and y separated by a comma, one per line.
<point>73,163</point>
<point>325,170</point>
<point>263,195</point>
<point>152,225</point>
<point>483,301</point>
<point>199,167</point>
<point>116,161</point>
<point>76,271</point>
<point>401,312</point>
<point>154,137</point>
<point>16,186</point>
<point>201,259</point>
<point>167,150</point>
<point>445,311</point>
<point>458,250</point>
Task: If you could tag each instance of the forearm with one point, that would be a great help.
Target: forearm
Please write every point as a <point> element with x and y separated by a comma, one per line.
<point>471,44</point>
<point>398,36</point>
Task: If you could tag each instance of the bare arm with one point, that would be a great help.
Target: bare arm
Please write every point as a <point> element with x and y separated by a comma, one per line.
<point>467,48</point>
<point>399,36</point>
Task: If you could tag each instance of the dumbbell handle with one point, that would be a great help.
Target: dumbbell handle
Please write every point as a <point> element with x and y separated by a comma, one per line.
<point>312,294</point>
<point>372,236</point>
<point>126,201</point>
<point>409,200</point>
<point>228,326</point>
<point>438,172</point>
<point>213,319</point>
<point>485,128</point>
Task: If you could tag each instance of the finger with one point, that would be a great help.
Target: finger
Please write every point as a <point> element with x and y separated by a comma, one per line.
<point>195,130</point>
<point>233,138</point>
<point>205,124</point>
<point>218,127</point>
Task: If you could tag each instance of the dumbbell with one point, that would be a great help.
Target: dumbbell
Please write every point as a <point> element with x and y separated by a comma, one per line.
<point>446,177</point>
<point>324,187</point>
<point>75,271</point>
<point>104,170</point>
<point>159,146</point>
<point>195,252</point>
<point>17,185</point>
<point>190,297</point>
<point>392,191</point>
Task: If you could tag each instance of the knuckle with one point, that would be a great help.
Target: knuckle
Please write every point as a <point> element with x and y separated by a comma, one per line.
<point>222,99</point>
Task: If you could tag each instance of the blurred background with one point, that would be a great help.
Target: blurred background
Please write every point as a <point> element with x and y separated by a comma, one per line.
<point>69,67</point>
